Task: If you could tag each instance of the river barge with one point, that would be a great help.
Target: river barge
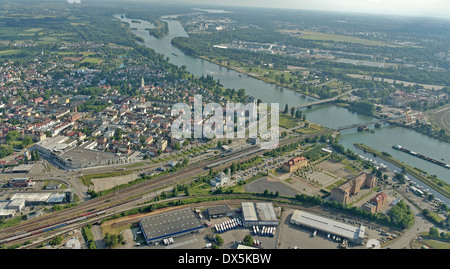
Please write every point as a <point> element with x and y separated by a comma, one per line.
<point>398,147</point>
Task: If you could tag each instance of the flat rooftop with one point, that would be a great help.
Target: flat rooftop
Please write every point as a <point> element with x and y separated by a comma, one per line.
<point>32,197</point>
<point>266,212</point>
<point>249,212</point>
<point>4,204</point>
<point>328,225</point>
<point>219,210</point>
<point>81,155</point>
<point>56,144</point>
<point>169,224</point>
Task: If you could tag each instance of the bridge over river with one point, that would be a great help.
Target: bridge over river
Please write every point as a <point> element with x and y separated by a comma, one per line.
<point>365,124</point>
<point>323,101</point>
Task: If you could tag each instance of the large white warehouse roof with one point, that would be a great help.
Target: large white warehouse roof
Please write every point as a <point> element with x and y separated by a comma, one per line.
<point>355,234</point>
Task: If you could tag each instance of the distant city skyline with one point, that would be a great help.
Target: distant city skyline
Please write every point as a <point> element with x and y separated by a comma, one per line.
<point>428,8</point>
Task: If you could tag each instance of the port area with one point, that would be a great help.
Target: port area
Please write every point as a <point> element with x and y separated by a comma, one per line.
<point>438,185</point>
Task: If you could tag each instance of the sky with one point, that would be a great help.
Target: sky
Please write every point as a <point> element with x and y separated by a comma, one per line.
<point>426,8</point>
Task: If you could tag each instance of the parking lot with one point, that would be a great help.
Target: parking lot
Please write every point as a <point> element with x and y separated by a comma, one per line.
<point>286,236</point>
<point>293,236</point>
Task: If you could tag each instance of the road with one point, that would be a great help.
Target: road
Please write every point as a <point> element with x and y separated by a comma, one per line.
<point>130,194</point>
<point>421,225</point>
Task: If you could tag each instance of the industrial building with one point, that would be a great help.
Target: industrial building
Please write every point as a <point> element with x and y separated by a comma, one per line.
<point>218,211</point>
<point>21,182</point>
<point>326,225</point>
<point>21,168</point>
<point>43,198</point>
<point>255,214</point>
<point>171,224</point>
<point>9,208</point>
<point>5,212</point>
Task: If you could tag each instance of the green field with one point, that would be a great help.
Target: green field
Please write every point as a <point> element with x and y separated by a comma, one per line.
<point>33,30</point>
<point>311,129</point>
<point>337,38</point>
<point>288,122</point>
<point>93,60</point>
<point>8,52</point>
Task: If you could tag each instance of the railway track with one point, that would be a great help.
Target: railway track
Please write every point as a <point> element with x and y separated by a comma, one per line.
<point>122,196</point>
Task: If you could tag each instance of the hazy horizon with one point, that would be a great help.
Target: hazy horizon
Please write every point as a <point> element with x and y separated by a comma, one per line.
<point>417,8</point>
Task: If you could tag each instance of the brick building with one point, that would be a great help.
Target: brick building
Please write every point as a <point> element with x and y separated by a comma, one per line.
<point>295,164</point>
<point>352,187</point>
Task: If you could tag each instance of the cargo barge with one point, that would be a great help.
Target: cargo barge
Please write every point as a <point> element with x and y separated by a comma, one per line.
<point>398,147</point>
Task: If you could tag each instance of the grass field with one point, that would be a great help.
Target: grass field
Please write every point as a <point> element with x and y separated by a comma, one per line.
<point>337,38</point>
<point>33,30</point>
<point>93,60</point>
<point>311,129</point>
<point>433,244</point>
<point>8,52</point>
<point>288,121</point>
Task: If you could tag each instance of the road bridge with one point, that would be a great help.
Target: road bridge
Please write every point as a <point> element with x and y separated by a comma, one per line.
<point>323,101</point>
<point>365,124</point>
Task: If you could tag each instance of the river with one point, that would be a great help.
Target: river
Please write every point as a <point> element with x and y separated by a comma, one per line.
<point>326,115</point>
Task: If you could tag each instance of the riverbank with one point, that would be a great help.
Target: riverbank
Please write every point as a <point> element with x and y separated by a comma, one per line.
<point>422,132</point>
<point>241,71</point>
<point>438,185</point>
<point>325,115</point>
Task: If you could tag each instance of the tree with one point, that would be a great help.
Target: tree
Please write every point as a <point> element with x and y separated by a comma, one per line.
<point>286,109</point>
<point>56,241</point>
<point>12,136</point>
<point>292,111</point>
<point>434,232</point>
<point>248,240</point>
<point>400,177</point>
<point>241,93</point>
<point>219,240</point>
<point>27,141</point>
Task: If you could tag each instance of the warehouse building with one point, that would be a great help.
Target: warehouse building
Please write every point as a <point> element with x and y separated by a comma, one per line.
<point>16,204</point>
<point>32,198</point>
<point>171,224</point>
<point>21,168</point>
<point>218,211</point>
<point>44,198</point>
<point>326,225</point>
<point>255,214</point>
<point>6,212</point>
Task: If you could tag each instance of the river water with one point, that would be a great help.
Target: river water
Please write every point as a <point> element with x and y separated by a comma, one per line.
<point>326,115</point>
